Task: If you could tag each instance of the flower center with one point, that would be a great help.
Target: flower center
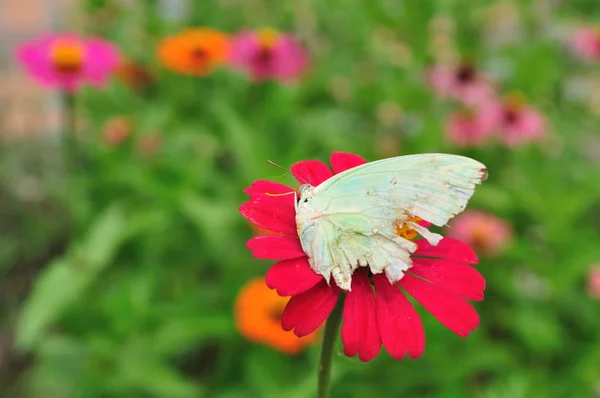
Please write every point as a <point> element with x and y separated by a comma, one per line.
<point>465,73</point>
<point>513,105</point>
<point>199,55</point>
<point>405,231</point>
<point>267,38</point>
<point>67,56</point>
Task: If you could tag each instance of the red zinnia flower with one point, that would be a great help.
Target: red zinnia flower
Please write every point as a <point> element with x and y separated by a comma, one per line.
<point>376,311</point>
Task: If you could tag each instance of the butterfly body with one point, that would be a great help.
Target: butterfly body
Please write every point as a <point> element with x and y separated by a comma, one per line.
<point>352,219</point>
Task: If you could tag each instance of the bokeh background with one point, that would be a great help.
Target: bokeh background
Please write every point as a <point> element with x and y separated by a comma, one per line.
<point>119,273</point>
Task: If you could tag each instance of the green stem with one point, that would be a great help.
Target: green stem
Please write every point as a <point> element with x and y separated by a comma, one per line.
<point>332,327</point>
<point>70,135</point>
<point>70,161</point>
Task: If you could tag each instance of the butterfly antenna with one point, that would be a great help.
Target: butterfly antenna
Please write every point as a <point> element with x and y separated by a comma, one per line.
<point>286,170</point>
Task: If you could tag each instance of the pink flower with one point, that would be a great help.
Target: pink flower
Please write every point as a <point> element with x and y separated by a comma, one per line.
<point>461,82</point>
<point>586,42</point>
<point>517,123</point>
<point>593,282</point>
<point>267,54</point>
<point>483,231</point>
<point>67,60</point>
<point>469,128</point>
<point>376,312</point>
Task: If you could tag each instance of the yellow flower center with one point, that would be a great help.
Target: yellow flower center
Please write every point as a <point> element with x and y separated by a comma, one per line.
<point>405,231</point>
<point>268,37</point>
<point>67,55</point>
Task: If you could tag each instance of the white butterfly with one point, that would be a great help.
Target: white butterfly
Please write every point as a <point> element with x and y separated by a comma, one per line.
<point>351,220</point>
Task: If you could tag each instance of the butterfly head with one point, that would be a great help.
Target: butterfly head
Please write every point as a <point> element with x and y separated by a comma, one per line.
<point>307,191</point>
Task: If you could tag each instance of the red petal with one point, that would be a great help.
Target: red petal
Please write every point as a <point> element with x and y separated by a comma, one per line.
<point>291,277</point>
<point>452,311</point>
<point>263,187</point>
<point>307,311</point>
<point>448,248</point>
<point>272,213</point>
<point>459,278</point>
<point>399,324</point>
<point>275,247</point>
<point>341,161</point>
<point>311,172</point>
<point>359,330</point>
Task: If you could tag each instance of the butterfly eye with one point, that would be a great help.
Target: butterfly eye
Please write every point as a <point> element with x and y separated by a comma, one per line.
<point>305,200</point>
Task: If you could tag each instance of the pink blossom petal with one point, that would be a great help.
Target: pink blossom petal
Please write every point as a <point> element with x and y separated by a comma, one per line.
<point>341,161</point>
<point>448,248</point>
<point>272,213</point>
<point>399,324</point>
<point>452,311</point>
<point>456,277</point>
<point>311,172</point>
<point>360,334</point>
<point>292,277</point>
<point>307,311</point>
<point>275,247</point>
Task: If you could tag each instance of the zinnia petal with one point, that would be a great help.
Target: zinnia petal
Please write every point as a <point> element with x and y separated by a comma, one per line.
<point>448,248</point>
<point>307,311</point>
<point>400,327</point>
<point>291,277</point>
<point>275,247</point>
<point>265,187</point>
<point>459,278</point>
<point>451,310</point>
<point>272,213</point>
<point>341,161</point>
<point>311,172</point>
<point>359,330</point>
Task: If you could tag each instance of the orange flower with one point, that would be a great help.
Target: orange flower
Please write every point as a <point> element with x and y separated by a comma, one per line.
<point>258,312</point>
<point>195,51</point>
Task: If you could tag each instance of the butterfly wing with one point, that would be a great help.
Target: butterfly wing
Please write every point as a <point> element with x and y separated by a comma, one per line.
<point>358,212</point>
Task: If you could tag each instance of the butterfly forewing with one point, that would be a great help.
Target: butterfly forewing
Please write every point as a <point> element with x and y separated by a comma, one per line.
<point>357,211</point>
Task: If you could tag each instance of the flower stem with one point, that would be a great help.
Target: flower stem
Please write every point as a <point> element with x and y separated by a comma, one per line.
<point>70,161</point>
<point>332,327</point>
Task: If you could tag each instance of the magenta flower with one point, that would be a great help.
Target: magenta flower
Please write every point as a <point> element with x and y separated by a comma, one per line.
<point>67,60</point>
<point>267,54</point>
<point>460,82</point>
<point>586,43</point>
<point>593,282</point>
<point>469,128</point>
<point>517,122</point>
<point>481,230</point>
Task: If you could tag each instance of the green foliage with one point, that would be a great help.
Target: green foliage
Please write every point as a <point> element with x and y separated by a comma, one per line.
<point>140,303</point>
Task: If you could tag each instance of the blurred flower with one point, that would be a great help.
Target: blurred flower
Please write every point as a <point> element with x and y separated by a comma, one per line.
<point>135,76</point>
<point>195,52</point>
<point>258,312</point>
<point>469,128</point>
<point>517,122</point>
<point>375,311</point>
<point>67,60</point>
<point>148,144</point>
<point>483,231</point>
<point>268,54</point>
<point>389,114</point>
<point>593,282</point>
<point>586,43</point>
<point>387,145</point>
<point>461,82</point>
<point>117,129</point>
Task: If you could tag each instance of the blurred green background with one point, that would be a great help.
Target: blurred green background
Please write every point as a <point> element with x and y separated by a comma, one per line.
<point>118,277</point>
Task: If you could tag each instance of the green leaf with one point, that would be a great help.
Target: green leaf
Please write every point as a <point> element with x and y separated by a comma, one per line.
<point>64,279</point>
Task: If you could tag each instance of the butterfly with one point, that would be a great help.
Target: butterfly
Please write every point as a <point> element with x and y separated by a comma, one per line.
<point>352,219</point>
